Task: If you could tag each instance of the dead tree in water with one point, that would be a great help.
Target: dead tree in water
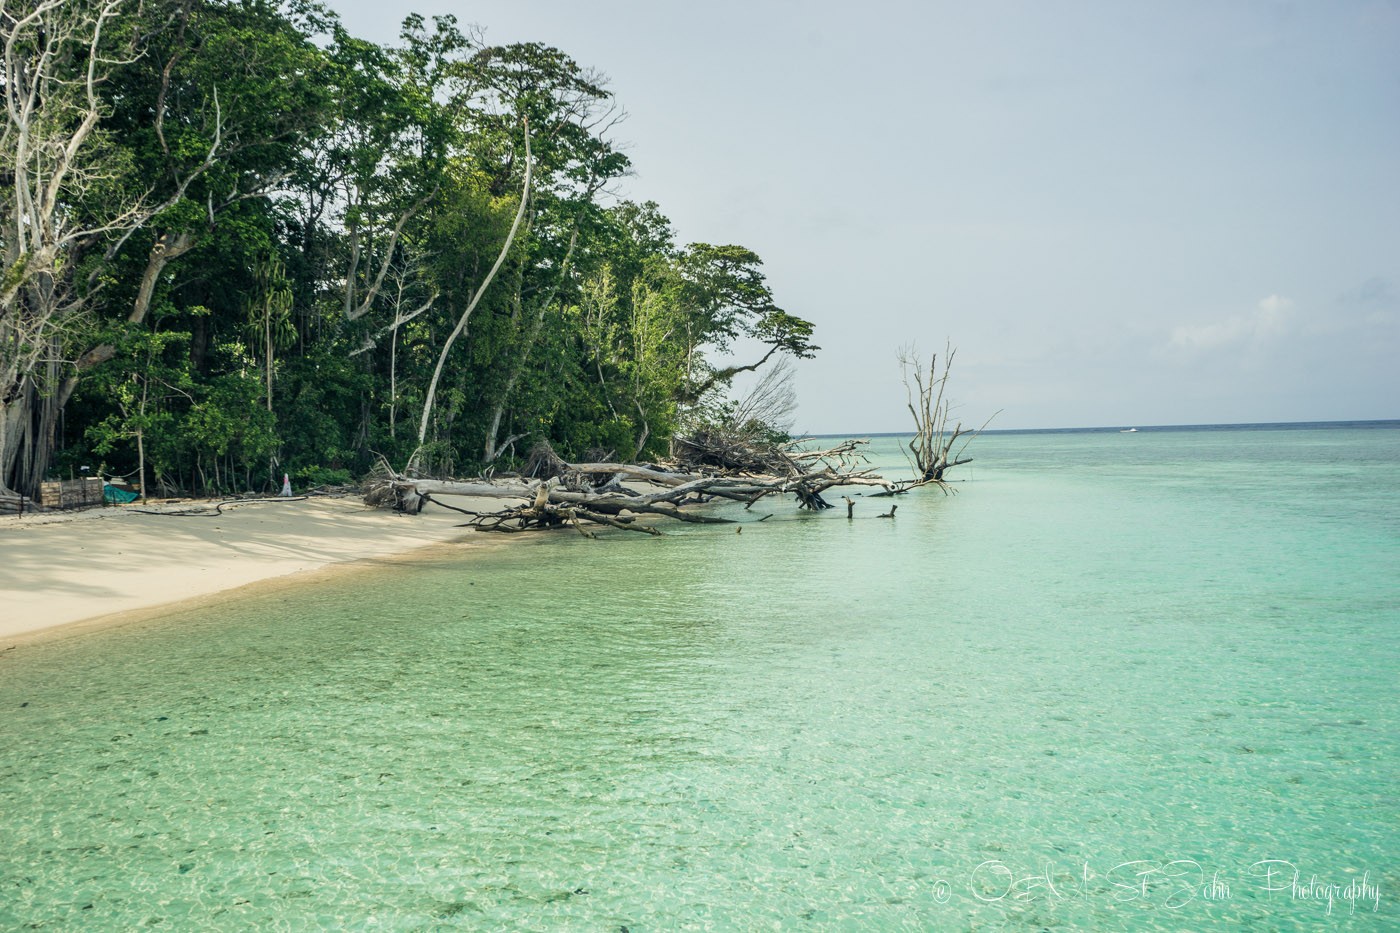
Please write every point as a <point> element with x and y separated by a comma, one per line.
<point>931,448</point>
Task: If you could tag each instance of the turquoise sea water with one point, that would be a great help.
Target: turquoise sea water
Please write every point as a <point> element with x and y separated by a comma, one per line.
<point>1129,682</point>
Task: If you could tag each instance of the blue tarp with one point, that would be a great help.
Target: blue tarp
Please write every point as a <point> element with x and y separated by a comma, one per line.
<point>118,496</point>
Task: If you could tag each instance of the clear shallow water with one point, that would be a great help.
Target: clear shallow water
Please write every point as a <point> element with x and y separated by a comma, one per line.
<point>1096,689</point>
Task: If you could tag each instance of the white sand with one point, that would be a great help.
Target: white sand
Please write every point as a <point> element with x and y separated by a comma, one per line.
<point>61,568</point>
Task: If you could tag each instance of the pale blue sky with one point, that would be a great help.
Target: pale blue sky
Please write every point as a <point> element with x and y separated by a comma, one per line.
<point>1121,212</point>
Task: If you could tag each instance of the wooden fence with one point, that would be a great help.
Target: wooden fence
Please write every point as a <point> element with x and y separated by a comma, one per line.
<point>71,493</point>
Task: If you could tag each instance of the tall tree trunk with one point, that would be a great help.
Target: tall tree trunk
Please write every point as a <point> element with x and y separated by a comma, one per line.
<point>267,354</point>
<point>28,423</point>
<point>493,450</point>
<point>481,290</point>
<point>141,438</point>
<point>393,382</point>
<point>162,252</point>
<point>13,414</point>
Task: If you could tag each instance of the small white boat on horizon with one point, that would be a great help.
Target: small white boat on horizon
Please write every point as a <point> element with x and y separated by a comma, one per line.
<point>1128,431</point>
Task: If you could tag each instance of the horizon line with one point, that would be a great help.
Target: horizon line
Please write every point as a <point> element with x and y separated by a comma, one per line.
<point>1140,428</point>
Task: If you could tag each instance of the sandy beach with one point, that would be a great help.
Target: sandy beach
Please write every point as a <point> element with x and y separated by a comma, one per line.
<point>61,568</point>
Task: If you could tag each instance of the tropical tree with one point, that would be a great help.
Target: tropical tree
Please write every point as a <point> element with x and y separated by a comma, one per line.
<point>237,238</point>
<point>724,296</point>
<point>61,195</point>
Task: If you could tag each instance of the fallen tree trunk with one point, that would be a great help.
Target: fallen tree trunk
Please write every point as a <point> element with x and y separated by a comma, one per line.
<point>635,472</point>
<point>622,505</point>
<point>480,490</point>
<point>566,499</point>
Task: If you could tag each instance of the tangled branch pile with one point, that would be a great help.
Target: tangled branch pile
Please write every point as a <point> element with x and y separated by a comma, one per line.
<point>716,449</point>
<point>562,494</point>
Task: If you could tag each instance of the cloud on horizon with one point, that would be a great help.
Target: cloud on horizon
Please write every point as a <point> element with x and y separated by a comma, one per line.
<point>1270,319</point>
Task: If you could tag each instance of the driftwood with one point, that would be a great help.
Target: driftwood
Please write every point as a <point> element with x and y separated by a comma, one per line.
<point>579,494</point>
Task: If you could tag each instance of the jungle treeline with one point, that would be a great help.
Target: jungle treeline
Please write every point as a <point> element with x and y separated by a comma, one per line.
<point>238,241</point>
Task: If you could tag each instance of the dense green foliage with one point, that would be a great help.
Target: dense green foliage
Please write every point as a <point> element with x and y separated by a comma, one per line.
<point>280,226</point>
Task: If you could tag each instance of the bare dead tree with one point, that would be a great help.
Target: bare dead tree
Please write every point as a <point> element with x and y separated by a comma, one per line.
<point>930,450</point>
<point>771,401</point>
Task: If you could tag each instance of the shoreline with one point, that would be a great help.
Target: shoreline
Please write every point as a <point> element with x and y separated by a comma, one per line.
<point>69,573</point>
